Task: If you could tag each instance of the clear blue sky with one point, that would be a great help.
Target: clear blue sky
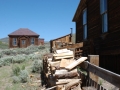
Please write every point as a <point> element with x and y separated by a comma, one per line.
<point>48,18</point>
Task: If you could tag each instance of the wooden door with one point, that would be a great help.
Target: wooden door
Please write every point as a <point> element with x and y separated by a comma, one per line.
<point>23,43</point>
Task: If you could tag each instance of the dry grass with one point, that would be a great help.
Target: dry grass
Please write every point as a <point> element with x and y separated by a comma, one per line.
<point>6,80</point>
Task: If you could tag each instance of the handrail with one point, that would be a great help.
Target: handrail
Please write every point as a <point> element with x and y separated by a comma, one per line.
<point>107,75</point>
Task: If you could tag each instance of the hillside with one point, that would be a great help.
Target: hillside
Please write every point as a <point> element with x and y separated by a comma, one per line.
<point>6,39</point>
<point>3,45</point>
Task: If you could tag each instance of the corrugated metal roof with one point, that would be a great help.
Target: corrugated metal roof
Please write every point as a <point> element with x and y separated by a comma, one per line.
<point>23,31</point>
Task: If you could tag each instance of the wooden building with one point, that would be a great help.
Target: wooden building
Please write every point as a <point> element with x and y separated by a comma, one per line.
<point>41,41</point>
<point>64,39</point>
<point>98,26</point>
<point>22,38</point>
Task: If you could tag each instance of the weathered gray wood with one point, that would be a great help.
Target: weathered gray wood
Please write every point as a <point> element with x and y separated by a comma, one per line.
<point>93,59</point>
<point>75,63</point>
<point>69,85</point>
<point>51,88</point>
<point>107,75</point>
<point>65,81</point>
<point>59,74</point>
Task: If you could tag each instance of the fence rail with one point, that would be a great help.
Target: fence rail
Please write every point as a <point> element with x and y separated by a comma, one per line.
<point>107,75</point>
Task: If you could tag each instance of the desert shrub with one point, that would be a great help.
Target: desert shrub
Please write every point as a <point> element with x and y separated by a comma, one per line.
<point>7,51</point>
<point>19,74</point>
<point>16,79</point>
<point>14,52</point>
<point>30,56</point>
<point>32,49</point>
<point>1,64</point>
<point>41,47</point>
<point>6,60</point>
<point>37,66</point>
<point>15,70</point>
<point>36,56</point>
<point>19,59</point>
<point>1,55</point>
<point>19,50</point>
<point>23,67</point>
<point>23,76</point>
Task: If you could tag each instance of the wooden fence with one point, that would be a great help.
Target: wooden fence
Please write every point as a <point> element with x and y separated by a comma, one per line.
<point>107,75</point>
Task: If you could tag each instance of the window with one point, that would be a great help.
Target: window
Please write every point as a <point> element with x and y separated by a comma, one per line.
<point>23,42</point>
<point>85,24</point>
<point>14,41</point>
<point>103,12</point>
<point>32,40</point>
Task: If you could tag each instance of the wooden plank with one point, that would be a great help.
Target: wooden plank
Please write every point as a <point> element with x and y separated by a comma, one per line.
<point>60,74</point>
<point>89,88</point>
<point>76,45</point>
<point>69,53</point>
<point>65,62</point>
<point>69,85</point>
<point>62,50</point>
<point>55,64</point>
<point>94,59</point>
<point>65,81</point>
<point>107,75</point>
<point>63,57</point>
<point>75,63</point>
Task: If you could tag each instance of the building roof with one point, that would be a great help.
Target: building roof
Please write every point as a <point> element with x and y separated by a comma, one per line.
<point>61,37</point>
<point>41,38</point>
<point>81,5</point>
<point>23,31</point>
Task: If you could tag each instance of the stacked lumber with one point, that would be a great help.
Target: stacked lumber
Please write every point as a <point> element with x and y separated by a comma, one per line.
<point>60,70</point>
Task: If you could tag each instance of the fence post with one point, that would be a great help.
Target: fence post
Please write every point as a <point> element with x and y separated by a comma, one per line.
<point>93,59</point>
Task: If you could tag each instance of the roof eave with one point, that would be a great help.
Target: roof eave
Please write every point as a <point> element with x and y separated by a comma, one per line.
<point>79,10</point>
<point>75,15</point>
<point>23,35</point>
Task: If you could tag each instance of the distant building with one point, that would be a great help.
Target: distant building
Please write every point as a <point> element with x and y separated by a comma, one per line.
<point>41,41</point>
<point>22,38</point>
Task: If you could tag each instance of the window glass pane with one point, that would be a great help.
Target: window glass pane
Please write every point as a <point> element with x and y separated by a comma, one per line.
<point>103,6</point>
<point>32,40</point>
<point>23,42</point>
<point>104,22</point>
<point>85,16</point>
<point>14,41</point>
<point>85,32</point>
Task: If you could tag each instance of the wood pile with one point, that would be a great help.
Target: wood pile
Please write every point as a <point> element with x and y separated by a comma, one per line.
<point>60,70</point>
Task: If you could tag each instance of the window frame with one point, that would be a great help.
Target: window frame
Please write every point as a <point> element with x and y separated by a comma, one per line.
<point>23,42</point>
<point>85,30</point>
<point>14,42</point>
<point>103,12</point>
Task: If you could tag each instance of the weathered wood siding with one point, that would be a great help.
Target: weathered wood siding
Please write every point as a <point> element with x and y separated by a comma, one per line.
<point>107,45</point>
<point>64,39</point>
<point>19,41</point>
<point>40,41</point>
<point>111,43</point>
